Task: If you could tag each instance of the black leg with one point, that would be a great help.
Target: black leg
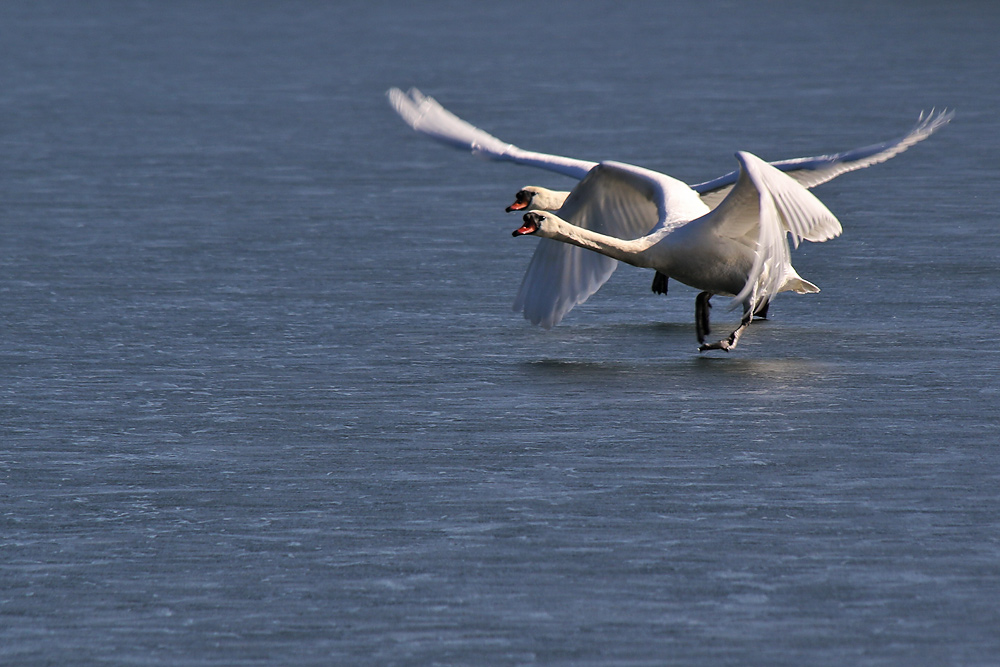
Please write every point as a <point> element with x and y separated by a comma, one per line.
<point>701,315</point>
<point>659,283</point>
<point>760,312</point>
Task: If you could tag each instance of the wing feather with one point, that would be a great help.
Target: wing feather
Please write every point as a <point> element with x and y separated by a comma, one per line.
<point>768,205</point>
<point>426,116</point>
<point>559,277</point>
<point>813,171</point>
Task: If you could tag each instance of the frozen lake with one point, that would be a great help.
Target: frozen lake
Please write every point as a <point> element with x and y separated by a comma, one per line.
<point>264,400</point>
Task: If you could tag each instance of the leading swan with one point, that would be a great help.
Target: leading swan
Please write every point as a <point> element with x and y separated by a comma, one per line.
<point>739,248</point>
<point>560,275</point>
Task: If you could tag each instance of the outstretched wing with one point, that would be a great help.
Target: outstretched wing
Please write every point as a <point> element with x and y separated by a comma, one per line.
<point>429,118</point>
<point>764,207</point>
<point>558,278</point>
<point>614,199</point>
<point>812,171</point>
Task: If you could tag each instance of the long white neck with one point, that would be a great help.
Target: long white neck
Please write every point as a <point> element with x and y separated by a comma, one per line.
<point>548,200</point>
<point>631,252</point>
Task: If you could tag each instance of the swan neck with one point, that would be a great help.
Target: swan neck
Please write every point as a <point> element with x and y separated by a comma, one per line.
<point>630,252</point>
<point>549,200</point>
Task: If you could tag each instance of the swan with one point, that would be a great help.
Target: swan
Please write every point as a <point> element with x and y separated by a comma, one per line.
<point>561,276</point>
<point>739,248</point>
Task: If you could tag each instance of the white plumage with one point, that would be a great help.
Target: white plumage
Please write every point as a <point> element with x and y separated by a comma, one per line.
<point>756,207</point>
<point>739,249</point>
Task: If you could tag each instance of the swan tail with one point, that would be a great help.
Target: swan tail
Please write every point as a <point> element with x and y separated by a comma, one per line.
<point>799,286</point>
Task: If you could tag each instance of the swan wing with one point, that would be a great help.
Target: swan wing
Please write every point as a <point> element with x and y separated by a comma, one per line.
<point>628,202</point>
<point>429,118</point>
<point>813,171</point>
<point>614,199</point>
<point>559,277</point>
<point>764,207</point>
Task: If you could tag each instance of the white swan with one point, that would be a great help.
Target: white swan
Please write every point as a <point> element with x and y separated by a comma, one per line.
<point>560,276</point>
<point>739,249</point>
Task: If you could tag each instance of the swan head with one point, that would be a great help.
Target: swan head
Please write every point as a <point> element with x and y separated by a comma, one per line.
<point>541,223</point>
<point>538,198</point>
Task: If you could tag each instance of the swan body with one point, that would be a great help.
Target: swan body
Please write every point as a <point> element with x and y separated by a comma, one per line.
<point>738,249</point>
<point>562,275</point>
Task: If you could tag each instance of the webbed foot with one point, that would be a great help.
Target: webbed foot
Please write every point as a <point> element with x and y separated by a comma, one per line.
<point>721,345</point>
<point>727,344</point>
